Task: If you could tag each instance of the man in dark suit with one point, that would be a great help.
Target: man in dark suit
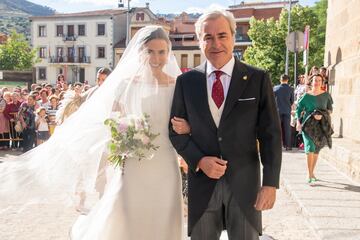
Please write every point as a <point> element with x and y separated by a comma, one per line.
<point>229,105</point>
<point>284,97</point>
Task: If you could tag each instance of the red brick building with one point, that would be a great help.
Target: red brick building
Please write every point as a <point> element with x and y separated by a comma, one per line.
<point>184,42</point>
<point>260,10</point>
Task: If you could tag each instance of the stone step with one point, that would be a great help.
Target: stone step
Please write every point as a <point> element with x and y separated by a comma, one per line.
<point>345,156</point>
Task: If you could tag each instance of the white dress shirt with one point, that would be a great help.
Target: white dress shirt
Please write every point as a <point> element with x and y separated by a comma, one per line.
<point>225,79</point>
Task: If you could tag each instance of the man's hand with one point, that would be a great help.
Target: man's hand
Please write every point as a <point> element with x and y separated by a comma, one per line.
<point>213,167</point>
<point>266,198</point>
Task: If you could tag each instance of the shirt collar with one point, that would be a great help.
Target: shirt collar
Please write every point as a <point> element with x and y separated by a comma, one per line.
<point>227,68</point>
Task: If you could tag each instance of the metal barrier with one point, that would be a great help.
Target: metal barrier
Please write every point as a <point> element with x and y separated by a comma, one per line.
<point>12,135</point>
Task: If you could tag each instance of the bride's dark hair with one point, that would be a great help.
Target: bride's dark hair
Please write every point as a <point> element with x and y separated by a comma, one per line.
<point>158,33</point>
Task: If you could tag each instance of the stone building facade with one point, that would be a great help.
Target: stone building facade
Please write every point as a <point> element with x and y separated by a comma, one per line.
<point>342,55</point>
<point>76,44</point>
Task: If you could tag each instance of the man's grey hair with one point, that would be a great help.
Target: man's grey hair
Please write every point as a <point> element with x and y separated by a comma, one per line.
<point>214,14</point>
<point>103,70</point>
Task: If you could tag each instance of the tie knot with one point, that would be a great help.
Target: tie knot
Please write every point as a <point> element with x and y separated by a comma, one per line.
<point>218,74</point>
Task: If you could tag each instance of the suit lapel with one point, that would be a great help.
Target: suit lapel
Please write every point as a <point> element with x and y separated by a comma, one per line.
<point>203,102</point>
<point>239,80</point>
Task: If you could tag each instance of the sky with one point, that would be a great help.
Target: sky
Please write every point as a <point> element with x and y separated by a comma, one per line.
<point>157,6</point>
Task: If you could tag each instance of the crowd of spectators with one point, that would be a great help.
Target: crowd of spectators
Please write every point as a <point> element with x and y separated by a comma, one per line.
<point>28,116</point>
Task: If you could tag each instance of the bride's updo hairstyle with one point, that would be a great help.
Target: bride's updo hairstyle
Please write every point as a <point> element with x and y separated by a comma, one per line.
<point>158,33</point>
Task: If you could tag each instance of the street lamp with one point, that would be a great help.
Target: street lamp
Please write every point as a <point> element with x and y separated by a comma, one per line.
<point>287,49</point>
<point>128,22</point>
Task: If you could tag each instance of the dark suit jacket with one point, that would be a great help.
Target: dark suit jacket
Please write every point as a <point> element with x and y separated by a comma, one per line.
<point>242,122</point>
<point>284,97</point>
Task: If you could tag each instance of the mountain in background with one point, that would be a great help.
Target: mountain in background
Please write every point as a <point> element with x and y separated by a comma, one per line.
<point>14,15</point>
<point>171,16</point>
<point>23,8</point>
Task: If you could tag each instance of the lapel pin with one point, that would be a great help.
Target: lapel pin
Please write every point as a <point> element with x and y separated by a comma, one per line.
<point>245,77</point>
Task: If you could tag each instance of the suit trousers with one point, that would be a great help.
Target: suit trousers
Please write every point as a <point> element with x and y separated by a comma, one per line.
<point>29,139</point>
<point>223,209</point>
<point>286,129</point>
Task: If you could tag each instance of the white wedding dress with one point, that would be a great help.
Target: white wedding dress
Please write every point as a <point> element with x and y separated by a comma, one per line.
<point>146,202</point>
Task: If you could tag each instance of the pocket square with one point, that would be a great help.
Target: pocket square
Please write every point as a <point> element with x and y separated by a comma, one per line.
<point>246,99</point>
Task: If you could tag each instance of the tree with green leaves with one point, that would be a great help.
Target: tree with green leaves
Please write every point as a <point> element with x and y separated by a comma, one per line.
<point>318,33</point>
<point>16,54</point>
<point>268,48</point>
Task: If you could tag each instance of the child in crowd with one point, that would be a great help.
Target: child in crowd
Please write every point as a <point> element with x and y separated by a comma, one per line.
<point>42,126</point>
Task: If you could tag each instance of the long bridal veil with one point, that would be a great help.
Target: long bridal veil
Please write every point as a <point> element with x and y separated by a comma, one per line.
<point>50,172</point>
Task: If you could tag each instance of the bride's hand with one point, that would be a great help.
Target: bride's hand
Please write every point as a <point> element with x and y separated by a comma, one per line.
<point>180,125</point>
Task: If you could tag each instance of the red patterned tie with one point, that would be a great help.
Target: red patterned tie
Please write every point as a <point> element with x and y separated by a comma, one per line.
<point>217,93</point>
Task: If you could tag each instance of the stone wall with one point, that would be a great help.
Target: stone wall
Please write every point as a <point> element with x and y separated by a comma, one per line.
<point>342,53</point>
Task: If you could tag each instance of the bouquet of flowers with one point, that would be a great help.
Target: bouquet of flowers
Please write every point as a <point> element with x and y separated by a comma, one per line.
<point>131,137</point>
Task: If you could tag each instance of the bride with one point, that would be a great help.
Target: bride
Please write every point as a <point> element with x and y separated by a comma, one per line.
<point>145,202</point>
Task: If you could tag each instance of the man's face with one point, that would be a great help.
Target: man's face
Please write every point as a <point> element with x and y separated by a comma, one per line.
<point>31,101</point>
<point>216,41</point>
<point>101,78</point>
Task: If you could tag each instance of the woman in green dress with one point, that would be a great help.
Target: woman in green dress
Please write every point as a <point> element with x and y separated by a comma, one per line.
<point>315,99</point>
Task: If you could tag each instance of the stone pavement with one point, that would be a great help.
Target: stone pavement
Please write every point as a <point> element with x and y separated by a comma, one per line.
<point>331,205</point>
<point>327,210</point>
